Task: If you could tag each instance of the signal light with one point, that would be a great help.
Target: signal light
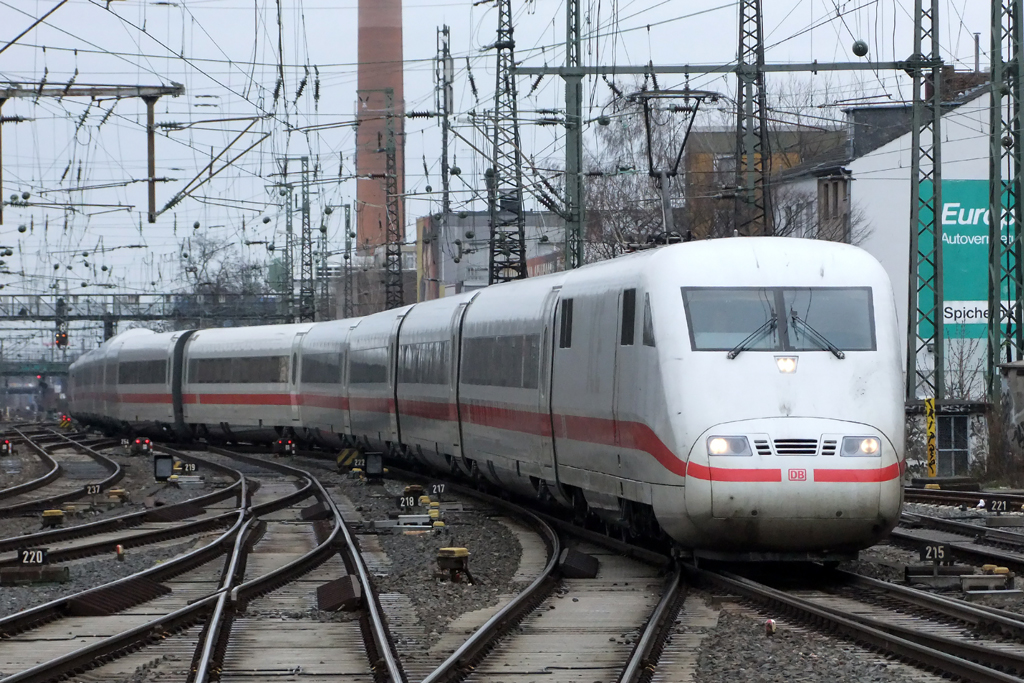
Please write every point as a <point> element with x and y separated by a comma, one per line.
<point>61,339</point>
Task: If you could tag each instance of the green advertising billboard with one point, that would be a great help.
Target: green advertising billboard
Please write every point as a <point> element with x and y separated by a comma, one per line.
<point>965,237</point>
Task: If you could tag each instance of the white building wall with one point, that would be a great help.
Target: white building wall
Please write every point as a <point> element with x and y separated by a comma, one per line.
<point>881,188</point>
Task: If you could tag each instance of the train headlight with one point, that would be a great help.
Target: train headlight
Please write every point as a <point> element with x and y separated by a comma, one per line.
<point>861,446</point>
<point>786,364</point>
<point>728,445</point>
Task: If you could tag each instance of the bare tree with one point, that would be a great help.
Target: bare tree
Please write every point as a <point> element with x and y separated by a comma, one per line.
<point>624,201</point>
<point>220,285</point>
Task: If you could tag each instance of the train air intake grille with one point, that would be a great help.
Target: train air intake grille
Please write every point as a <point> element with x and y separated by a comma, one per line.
<point>828,447</point>
<point>763,447</point>
<point>796,446</point>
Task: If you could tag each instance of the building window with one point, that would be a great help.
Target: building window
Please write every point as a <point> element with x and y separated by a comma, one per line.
<point>834,208</point>
<point>954,445</point>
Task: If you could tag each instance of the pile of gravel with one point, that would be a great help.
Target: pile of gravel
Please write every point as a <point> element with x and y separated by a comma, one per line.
<point>85,574</point>
<point>739,650</point>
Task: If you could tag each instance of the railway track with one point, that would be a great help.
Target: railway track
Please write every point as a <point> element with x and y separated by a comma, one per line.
<point>933,632</point>
<point>251,616</point>
<point>80,470</point>
<point>957,498</point>
<point>198,628</point>
<point>137,529</point>
<point>972,543</point>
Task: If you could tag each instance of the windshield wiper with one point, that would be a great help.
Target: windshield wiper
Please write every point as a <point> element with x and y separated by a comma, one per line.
<point>755,336</point>
<point>817,336</point>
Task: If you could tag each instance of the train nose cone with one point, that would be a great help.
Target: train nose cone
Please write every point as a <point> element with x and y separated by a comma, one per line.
<point>804,483</point>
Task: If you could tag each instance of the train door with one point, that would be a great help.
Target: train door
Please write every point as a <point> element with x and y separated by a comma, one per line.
<point>396,426</point>
<point>458,316</point>
<point>582,391</point>
<point>548,454</point>
<point>627,368</point>
<point>293,385</point>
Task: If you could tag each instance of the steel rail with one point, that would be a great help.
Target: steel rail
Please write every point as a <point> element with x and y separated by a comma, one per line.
<point>980,616</point>
<point>244,592</point>
<point>973,551</point>
<point>36,616</point>
<point>116,474</point>
<point>885,637</point>
<point>215,624</point>
<point>943,497</point>
<point>132,519</point>
<point>83,659</point>
<point>655,632</point>
<point>137,540</point>
<point>476,646</point>
<point>39,482</point>
<point>997,534</point>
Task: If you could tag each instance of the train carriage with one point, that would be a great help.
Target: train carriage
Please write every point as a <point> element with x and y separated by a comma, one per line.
<point>323,404</point>
<point>144,384</point>
<point>371,377</point>
<point>505,383</point>
<point>240,384</point>
<point>428,368</point>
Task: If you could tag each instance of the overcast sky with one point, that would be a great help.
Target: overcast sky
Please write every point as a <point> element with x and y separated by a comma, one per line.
<point>225,54</point>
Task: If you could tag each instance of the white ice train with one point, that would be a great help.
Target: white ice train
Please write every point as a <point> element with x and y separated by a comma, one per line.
<point>743,395</point>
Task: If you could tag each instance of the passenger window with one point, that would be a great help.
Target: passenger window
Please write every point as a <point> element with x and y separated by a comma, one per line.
<point>648,322</point>
<point>565,330</point>
<point>628,317</point>
<point>295,367</point>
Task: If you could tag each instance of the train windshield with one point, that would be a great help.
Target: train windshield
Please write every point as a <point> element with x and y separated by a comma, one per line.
<point>780,319</point>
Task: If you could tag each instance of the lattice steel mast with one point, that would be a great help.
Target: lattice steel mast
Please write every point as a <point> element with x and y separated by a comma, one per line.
<point>307,285</point>
<point>347,285</point>
<point>508,226</point>
<point>394,295</point>
<point>1006,332</point>
<point>753,210</point>
<point>574,189</point>
<point>444,75</point>
<point>924,311</point>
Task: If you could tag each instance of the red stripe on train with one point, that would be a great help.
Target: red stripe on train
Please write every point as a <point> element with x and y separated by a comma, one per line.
<point>876,475</point>
<point>737,474</point>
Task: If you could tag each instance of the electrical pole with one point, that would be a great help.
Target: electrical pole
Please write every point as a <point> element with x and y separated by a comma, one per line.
<point>924,311</point>
<point>1006,331</point>
<point>574,198</point>
<point>149,94</point>
<point>753,212</point>
<point>307,286</point>
<point>444,75</point>
<point>347,285</point>
<point>394,295</point>
<point>323,306</point>
<point>289,266</point>
<point>508,225</point>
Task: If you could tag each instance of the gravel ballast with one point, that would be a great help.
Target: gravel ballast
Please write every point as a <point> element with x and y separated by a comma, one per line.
<point>85,574</point>
<point>739,650</point>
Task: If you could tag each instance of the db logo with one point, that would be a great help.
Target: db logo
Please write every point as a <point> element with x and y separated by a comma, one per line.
<point>798,475</point>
